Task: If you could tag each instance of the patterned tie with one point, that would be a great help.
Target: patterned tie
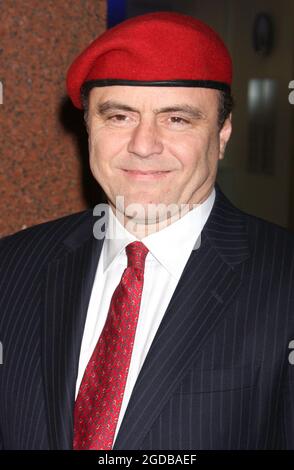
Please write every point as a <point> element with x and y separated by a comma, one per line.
<point>102,388</point>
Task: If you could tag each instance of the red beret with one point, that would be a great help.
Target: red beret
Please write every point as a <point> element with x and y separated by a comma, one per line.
<point>155,49</point>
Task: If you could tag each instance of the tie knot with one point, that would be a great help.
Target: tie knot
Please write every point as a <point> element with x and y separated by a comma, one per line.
<point>136,253</point>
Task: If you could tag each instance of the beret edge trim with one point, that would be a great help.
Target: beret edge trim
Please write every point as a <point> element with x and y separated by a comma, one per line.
<point>87,85</point>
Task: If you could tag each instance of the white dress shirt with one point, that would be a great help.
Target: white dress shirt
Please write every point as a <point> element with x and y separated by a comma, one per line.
<point>169,251</point>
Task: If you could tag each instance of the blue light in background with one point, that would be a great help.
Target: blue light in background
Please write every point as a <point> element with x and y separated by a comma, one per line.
<point>116,12</point>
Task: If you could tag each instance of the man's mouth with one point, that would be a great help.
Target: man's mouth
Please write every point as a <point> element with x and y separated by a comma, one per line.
<point>147,173</point>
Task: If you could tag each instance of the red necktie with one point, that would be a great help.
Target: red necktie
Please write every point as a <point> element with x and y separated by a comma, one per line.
<point>102,388</point>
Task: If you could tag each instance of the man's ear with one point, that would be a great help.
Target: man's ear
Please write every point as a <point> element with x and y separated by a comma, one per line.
<point>224,136</point>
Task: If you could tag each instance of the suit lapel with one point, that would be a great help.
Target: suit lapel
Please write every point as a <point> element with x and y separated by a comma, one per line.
<point>67,288</point>
<point>208,285</point>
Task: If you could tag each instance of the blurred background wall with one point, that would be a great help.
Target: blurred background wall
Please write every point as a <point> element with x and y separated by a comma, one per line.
<point>43,167</point>
<point>44,172</point>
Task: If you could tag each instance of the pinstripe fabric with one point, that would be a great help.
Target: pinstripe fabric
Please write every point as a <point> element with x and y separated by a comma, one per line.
<point>217,375</point>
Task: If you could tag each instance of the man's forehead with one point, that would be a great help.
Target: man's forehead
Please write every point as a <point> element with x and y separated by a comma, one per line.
<point>156,96</point>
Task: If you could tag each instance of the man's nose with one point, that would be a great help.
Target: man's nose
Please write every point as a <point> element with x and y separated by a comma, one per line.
<point>145,139</point>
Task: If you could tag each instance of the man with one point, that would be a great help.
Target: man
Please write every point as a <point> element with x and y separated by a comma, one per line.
<point>170,327</point>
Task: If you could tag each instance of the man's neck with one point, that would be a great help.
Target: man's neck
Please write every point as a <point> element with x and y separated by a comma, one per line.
<point>141,228</point>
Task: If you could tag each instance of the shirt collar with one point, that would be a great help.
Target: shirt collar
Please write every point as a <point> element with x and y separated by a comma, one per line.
<point>171,246</point>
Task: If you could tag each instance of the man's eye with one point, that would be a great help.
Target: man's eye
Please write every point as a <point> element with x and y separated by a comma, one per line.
<point>179,120</point>
<point>117,117</point>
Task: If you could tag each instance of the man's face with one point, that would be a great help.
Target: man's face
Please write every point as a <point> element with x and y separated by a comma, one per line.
<point>155,145</point>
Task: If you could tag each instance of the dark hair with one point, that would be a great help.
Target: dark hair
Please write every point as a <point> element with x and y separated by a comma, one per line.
<point>85,90</point>
<point>226,103</point>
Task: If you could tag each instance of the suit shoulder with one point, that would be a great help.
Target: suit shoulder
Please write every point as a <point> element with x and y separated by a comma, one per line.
<point>265,231</point>
<point>47,233</point>
<point>272,247</point>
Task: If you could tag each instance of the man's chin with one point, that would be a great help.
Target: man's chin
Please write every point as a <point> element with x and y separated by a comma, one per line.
<point>150,213</point>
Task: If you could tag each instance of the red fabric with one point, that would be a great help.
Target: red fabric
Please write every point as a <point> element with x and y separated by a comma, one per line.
<point>102,388</point>
<point>152,47</point>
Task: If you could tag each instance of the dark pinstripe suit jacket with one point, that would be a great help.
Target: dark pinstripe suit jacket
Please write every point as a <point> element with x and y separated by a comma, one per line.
<point>218,374</point>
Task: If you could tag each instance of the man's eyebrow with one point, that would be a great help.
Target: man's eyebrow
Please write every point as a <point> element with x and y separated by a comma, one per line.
<point>192,111</point>
<point>111,105</point>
